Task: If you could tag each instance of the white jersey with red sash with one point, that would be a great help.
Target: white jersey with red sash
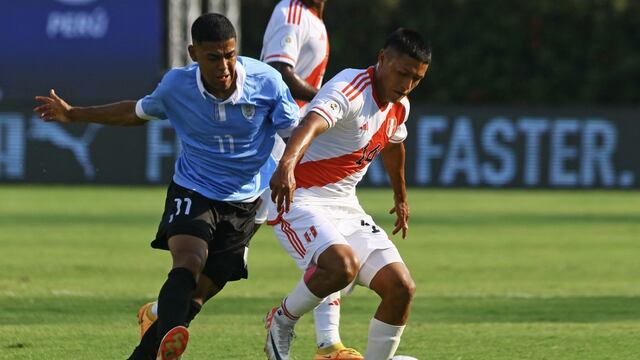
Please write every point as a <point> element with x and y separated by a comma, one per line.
<point>360,127</point>
<point>296,36</point>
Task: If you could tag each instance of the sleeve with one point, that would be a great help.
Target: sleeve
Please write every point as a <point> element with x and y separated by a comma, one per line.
<point>401,131</point>
<point>283,45</point>
<point>151,107</point>
<point>285,113</point>
<point>400,135</point>
<point>330,102</point>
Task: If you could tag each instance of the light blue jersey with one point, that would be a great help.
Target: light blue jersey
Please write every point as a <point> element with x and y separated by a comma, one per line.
<point>225,144</point>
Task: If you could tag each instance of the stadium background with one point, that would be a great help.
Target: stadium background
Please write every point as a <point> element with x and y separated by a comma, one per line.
<point>520,94</point>
<point>533,96</point>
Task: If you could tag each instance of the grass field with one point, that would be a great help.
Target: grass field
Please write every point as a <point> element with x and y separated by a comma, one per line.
<point>500,275</point>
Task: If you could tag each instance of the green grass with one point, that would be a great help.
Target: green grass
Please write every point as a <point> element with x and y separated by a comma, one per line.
<point>500,274</point>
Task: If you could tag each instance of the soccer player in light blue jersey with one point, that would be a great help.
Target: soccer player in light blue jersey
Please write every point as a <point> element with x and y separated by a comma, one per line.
<point>226,111</point>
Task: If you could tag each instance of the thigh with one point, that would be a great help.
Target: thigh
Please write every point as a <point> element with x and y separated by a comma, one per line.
<point>305,232</point>
<point>376,261</point>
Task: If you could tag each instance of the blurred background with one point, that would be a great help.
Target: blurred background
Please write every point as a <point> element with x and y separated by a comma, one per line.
<point>520,93</point>
<point>523,161</point>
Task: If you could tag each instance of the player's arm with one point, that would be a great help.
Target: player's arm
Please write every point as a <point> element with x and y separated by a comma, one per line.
<point>54,108</point>
<point>300,89</point>
<point>393,158</point>
<point>283,181</point>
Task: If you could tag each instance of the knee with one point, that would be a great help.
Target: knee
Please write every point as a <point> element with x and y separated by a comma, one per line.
<point>404,290</point>
<point>399,290</point>
<point>191,260</point>
<point>345,270</point>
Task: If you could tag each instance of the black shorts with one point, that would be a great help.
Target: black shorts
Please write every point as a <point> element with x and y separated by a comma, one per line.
<point>226,226</point>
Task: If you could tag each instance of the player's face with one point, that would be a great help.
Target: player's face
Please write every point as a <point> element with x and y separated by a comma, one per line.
<point>400,74</point>
<point>217,61</point>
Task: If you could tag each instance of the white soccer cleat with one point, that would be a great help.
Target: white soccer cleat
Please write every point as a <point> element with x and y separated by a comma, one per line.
<point>279,336</point>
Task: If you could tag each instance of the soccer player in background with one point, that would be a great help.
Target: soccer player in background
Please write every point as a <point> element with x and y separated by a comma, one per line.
<point>296,44</point>
<point>226,110</point>
<point>316,214</point>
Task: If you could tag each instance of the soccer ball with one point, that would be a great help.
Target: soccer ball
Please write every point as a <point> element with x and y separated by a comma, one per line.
<point>403,357</point>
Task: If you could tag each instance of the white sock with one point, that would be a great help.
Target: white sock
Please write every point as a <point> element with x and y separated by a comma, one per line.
<point>383,340</point>
<point>154,309</point>
<point>327,319</point>
<point>299,302</point>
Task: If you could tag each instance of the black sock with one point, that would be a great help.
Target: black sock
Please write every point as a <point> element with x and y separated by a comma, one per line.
<point>194,309</point>
<point>148,347</point>
<point>174,300</point>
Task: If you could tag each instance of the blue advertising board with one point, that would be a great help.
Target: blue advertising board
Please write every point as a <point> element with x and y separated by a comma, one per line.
<point>493,147</point>
<point>88,50</point>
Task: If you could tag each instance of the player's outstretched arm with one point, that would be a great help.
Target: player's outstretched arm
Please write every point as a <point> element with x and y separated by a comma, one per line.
<point>283,181</point>
<point>54,108</point>
<point>300,89</point>
<point>393,157</point>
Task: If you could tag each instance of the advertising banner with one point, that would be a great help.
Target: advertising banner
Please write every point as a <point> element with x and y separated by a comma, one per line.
<point>493,147</point>
<point>91,51</point>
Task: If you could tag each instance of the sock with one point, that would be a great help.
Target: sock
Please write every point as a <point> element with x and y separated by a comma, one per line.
<point>327,321</point>
<point>299,302</point>
<point>148,347</point>
<point>194,309</point>
<point>383,340</point>
<point>174,300</point>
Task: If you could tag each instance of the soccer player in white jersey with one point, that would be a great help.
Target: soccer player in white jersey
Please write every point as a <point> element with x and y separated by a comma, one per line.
<point>315,212</point>
<point>296,44</point>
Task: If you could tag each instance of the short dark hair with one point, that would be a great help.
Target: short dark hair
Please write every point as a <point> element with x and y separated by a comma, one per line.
<point>411,43</point>
<point>212,27</point>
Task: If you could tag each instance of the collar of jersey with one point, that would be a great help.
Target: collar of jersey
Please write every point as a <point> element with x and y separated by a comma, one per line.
<point>237,94</point>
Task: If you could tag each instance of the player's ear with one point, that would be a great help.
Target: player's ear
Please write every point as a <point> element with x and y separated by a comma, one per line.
<point>381,56</point>
<point>192,53</point>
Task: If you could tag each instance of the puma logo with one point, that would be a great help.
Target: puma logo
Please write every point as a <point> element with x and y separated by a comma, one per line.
<point>58,136</point>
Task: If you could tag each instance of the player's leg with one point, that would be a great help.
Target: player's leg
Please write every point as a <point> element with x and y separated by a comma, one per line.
<point>185,231</point>
<point>332,266</point>
<point>327,321</point>
<point>205,290</point>
<point>386,274</point>
<point>326,317</point>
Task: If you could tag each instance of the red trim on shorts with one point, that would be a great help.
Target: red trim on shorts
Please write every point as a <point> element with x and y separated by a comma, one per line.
<point>293,237</point>
<point>276,220</point>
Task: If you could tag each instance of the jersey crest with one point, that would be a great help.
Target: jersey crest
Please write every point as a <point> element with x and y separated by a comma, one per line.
<point>391,126</point>
<point>248,111</point>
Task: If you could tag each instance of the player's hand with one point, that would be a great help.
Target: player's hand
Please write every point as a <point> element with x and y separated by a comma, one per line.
<point>282,184</point>
<point>401,209</point>
<point>53,108</point>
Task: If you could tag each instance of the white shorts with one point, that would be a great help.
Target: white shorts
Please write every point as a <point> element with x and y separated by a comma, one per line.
<point>308,230</point>
<point>263,210</point>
